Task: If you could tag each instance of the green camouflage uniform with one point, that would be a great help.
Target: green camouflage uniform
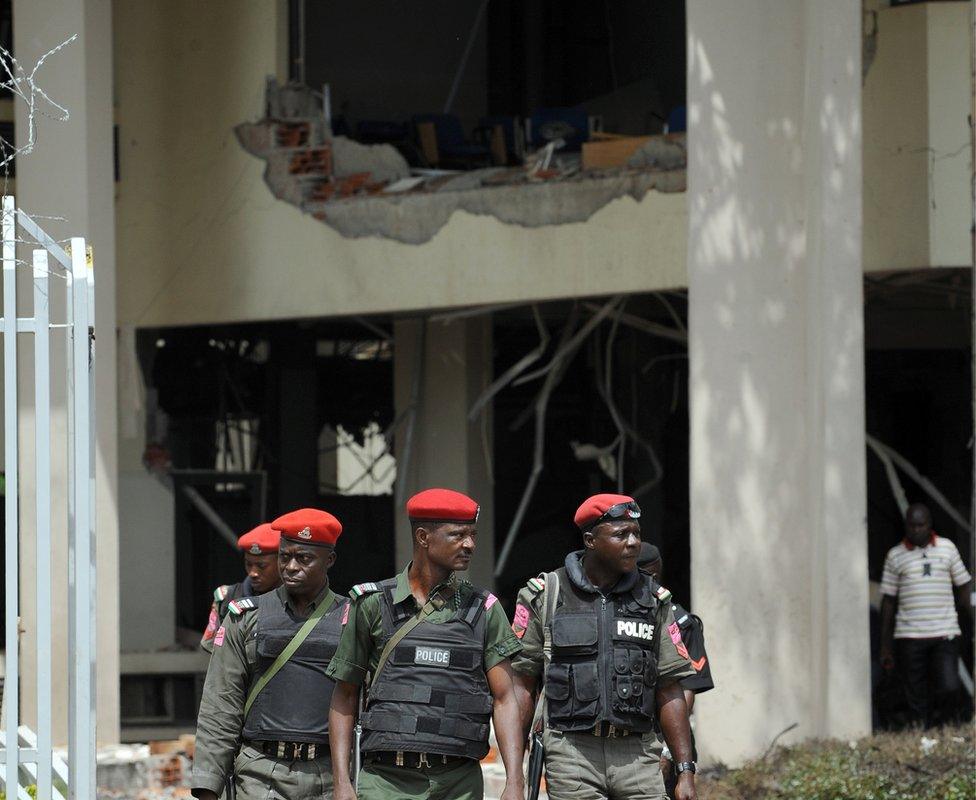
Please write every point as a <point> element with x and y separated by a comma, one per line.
<point>219,753</point>
<point>580,765</point>
<point>358,654</point>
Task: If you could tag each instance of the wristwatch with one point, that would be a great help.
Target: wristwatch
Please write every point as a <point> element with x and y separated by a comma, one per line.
<point>685,766</point>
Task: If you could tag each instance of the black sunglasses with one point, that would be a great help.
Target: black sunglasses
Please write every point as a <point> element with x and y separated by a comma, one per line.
<point>629,510</point>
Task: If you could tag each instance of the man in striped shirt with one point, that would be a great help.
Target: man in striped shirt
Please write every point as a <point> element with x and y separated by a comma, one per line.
<point>919,625</point>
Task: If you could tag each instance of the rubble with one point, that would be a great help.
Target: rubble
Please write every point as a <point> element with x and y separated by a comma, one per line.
<point>369,190</point>
<point>415,217</point>
<point>660,153</point>
<point>382,161</point>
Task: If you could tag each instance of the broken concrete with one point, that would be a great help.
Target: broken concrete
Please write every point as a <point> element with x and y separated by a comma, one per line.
<point>382,161</point>
<point>343,184</point>
<point>414,218</point>
<point>659,153</point>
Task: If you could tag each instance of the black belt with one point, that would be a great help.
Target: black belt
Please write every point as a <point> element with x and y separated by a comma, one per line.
<point>607,731</point>
<point>291,751</point>
<point>402,758</point>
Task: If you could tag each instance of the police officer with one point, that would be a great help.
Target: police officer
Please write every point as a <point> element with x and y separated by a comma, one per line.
<point>692,631</point>
<point>692,640</point>
<point>612,665</point>
<point>264,717</point>
<point>260,548</point>
<point>438,651</point>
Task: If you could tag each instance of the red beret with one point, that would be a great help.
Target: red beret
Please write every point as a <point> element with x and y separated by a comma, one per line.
<point>442,505</point>
<point>309,526</point>
<point>595,507</point>
<point>260,541</point>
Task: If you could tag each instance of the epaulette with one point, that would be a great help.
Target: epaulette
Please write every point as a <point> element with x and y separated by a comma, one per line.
<point>662,594</point>
<point>682,617</point>
<point>537,584</point>
<point>240,605</point>
<point>363,588</point>
<point>221,592</point>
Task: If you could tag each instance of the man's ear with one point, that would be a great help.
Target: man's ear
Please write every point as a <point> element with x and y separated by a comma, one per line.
<point>421,536</point>
<point>330,559</point>
<point>588,540</point>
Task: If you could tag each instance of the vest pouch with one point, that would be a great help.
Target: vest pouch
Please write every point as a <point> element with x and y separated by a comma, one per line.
<point>586,690</point>
<point>574,634</point>
<point>628,661</point>
<point>557,692</point>
<point>628,694</point>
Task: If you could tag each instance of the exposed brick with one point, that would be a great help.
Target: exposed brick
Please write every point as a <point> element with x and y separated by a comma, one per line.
<point>314,161</point>
<point>293,134</point>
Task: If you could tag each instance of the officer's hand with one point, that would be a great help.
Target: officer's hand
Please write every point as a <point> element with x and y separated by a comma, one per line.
<point>887,659</point>
<point>344,791</point>
<point>685,788</point>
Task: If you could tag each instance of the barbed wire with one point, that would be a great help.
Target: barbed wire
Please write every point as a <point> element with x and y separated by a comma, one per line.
<point>23,84</point>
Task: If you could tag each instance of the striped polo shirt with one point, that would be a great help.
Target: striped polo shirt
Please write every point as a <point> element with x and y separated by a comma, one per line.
<point>922,579</point>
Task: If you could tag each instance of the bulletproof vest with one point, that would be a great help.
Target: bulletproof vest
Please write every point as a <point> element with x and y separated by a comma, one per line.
<point>432,696</point>
<point>294,706</point>
<point>604,658</point>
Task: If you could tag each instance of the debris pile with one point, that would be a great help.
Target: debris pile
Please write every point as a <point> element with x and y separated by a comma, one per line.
<point>370,190</point>
<point>157,771</point>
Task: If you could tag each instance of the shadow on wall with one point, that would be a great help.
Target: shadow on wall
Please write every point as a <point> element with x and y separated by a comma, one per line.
<point>777,456</point>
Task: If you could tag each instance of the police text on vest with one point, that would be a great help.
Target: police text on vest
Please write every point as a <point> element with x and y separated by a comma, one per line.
<point>634,629</point>
<point>433,656</point>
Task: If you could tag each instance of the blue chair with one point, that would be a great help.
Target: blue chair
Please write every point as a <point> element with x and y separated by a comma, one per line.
<point>570,124</point>
<point>487,124</point>
<point>677,120</point>
<point>452,146</point>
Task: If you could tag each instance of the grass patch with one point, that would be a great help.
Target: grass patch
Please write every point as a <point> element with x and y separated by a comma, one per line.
<point>888,766</point>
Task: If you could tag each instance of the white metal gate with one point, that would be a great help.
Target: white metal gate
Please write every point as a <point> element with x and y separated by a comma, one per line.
<point>28,760</point>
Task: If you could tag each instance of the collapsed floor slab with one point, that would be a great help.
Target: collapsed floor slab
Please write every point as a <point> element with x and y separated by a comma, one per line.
<point>365,202</point>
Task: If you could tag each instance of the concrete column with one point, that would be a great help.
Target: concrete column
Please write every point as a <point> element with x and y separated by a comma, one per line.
<point>778,538</point>
<point>446,450</point>
<point>70,174</point>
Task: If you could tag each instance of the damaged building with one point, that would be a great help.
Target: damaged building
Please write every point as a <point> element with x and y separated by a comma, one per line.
<point>351,251</point>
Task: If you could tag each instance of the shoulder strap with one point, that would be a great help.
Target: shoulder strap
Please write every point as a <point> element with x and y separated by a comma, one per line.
<point>550,594</point>
<point>433,603</point>
<point>476,605</point>
<point>288,652</point>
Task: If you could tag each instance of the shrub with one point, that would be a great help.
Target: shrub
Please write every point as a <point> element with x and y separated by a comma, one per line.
<point>889,766</point>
